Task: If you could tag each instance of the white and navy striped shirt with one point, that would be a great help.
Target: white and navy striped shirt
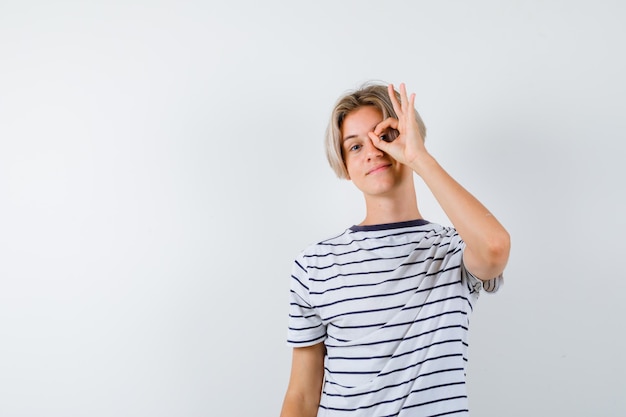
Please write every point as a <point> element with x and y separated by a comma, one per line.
<point>391,303</point>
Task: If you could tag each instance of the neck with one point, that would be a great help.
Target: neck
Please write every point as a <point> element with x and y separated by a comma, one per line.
<point>381,209</point>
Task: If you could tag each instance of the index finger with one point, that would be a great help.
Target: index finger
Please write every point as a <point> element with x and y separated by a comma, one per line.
<point>383,126</point>
<point>397,107</point>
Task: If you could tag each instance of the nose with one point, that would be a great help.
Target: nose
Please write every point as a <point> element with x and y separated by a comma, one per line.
<point>372,151</point>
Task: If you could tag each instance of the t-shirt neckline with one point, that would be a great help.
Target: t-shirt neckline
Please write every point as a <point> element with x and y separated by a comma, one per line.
<point>386,226</point>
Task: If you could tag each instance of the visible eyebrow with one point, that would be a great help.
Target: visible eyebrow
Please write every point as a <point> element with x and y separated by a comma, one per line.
<point>356,136</point>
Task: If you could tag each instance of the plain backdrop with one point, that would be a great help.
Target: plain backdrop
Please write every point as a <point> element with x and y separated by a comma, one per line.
<point>161,165</point>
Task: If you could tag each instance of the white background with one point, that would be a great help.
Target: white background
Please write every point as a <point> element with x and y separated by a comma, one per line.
<point>161,165</point>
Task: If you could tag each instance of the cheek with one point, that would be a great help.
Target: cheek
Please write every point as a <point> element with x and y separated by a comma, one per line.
<point>350,163</point>
<point>346,166</point>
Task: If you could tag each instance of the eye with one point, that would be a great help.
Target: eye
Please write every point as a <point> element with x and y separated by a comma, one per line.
<point>389,135</point>
<point>354,148</point>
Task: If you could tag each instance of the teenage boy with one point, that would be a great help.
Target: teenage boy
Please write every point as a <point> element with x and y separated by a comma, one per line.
<point>379,314</point>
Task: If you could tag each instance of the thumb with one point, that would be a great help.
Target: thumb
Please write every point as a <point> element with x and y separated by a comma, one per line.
<point>378,142</point>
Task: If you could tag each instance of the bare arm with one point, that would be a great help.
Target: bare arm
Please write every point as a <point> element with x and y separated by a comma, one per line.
<point>305,383</point>
<point>487,241</point>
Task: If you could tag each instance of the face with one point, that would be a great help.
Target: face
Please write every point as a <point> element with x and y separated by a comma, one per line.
<point>370,169</point>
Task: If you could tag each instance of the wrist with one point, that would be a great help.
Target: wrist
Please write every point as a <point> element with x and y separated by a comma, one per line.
<point>423,164</point>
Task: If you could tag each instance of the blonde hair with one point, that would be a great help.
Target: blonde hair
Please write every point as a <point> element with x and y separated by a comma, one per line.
<point>369,94</point>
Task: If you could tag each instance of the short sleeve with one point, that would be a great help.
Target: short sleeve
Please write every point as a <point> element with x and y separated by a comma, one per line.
<point>476,284</point>
<point>490,286</point>
<point>305,325</point>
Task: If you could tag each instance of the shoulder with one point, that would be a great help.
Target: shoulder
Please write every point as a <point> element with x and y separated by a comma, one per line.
<point>327,244</point>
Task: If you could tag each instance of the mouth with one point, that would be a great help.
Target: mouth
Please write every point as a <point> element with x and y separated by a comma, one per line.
<point>378,168</point>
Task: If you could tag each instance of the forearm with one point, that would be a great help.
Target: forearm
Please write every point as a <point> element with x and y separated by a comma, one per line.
<point>487,241</point>
<point>296,405</point>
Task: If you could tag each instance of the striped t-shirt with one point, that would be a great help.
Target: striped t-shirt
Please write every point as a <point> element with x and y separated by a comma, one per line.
<point>391,303</point>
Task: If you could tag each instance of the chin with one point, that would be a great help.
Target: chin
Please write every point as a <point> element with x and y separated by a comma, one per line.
<point>381,190</point>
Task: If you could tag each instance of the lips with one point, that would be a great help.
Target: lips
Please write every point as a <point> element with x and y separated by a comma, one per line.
<point>378,168</point>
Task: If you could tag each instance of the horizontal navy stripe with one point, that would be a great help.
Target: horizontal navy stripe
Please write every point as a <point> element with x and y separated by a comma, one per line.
<point>376,248</point>
<point>379,342</point>
<point>393,371</point>
<point>305,328</point>
<point>296,316</point>
<point>402,398</point>
<point>368,297</point>
<point>358,262</point>
<point>437,401</point>
<point>364,285</point>
<point>405,323</point>
<point>456,297</point>
<point>366,274</point>
<point>374,310</point>
<point>361,358</point>
<point>305,342</point>
<point>390,386</point>
<point>421,320</point>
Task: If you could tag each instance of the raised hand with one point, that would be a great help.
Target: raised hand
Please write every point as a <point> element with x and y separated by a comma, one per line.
<point>408,146</point>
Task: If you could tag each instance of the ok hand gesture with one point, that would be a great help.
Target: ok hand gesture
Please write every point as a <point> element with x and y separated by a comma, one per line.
<point>408,146</point>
